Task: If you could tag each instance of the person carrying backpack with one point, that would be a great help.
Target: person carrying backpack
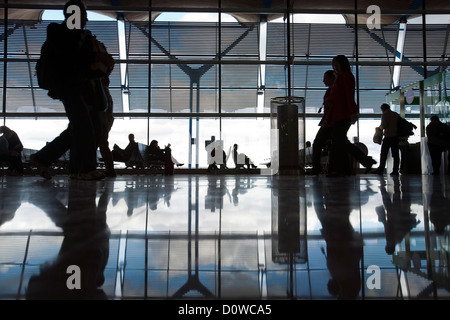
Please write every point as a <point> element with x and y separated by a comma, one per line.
<point>71,67</point>
<point>389,125</point>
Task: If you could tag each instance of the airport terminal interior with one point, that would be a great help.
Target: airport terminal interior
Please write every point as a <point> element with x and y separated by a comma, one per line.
<point>223,73</point>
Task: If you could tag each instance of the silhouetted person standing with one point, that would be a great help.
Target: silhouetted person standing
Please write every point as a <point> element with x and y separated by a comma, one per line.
<point>438,141</point>
<point>395,214</point>
<point>389,125</point>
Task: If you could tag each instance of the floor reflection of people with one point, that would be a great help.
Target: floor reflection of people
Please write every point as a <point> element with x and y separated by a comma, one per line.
<point>11,200</point>
<point>365,192</point>
<point>395,213</point>
<point>344,246</point>
<point>169,188</point>
<point>439,204</point>
<point>156,188</point>
<point>241,185</point>
<point>85,245</point>
<point>217,190</point>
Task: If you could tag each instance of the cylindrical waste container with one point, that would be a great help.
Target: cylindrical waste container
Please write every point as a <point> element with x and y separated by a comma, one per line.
<point>287,134</point>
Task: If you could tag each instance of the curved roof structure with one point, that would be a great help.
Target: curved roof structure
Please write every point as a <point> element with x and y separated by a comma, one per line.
<point>244,11</point>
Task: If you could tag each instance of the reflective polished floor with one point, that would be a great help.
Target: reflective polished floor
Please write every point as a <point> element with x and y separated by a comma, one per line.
<point>197,236</point>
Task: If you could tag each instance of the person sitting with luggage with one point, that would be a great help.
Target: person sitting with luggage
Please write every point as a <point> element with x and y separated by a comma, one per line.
<point>221,161</point>
<point>123,155</point>
<point>12,152</point>
<point>241,159</point>
<point>155,153</point>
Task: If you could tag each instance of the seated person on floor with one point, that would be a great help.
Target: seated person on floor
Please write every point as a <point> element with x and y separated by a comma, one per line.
<point>123,155</point>
<point>217,161</point>
<point>12,150</point>
<point>241,160</point>
<point>155,153</point>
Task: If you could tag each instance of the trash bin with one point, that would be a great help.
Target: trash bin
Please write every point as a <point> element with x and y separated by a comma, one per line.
<point>287,134</point>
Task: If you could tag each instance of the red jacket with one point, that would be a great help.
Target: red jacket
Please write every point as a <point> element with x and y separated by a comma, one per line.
<point>342,99</point>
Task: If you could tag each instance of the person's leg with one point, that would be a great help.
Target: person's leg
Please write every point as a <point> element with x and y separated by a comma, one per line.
<point>322,136</point>
<point>339,160</point>
<point>107,159</point>
<point>53,150</point>
<point>83,150</point>
<point>435,155</point>
<point>105,151</point>
<point>395,155</point>
<point>385,146</point>
<point>404,150</point>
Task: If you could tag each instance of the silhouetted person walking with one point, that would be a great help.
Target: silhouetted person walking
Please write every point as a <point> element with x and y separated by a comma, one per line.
<point>78,62</point>
<point>389,125</point>
<point>324,133</point>
<point>343,113</point>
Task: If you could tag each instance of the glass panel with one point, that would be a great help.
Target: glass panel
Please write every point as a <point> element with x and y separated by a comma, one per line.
<point>35,133</point>
<point>183,87</point>
<point>122,127</point>
<point>378,44</point>
<point>323,40</point>
<point>136,38</point>
<point>183,39</point>
<point>239,100</point>
<point>251,136</point>
<point>187,138</point>
<point>239,41</point>
<point>191,88</point>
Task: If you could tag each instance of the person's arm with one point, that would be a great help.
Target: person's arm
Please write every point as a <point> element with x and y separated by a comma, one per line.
<point>384,121</point>
<point>349,89</point>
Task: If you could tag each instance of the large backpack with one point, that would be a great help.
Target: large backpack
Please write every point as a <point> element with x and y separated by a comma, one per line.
<point>47,69</point>
<point>54,67</point>
<point>405,128</point>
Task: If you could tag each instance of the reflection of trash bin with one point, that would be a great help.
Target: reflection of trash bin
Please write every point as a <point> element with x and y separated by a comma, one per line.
<point>287,134</point>
<point>289,243</point>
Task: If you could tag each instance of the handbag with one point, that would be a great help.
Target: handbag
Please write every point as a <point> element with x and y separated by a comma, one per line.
<point>378,136</point>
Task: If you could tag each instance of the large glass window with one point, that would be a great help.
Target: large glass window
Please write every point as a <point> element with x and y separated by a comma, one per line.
<point>187,76</point>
